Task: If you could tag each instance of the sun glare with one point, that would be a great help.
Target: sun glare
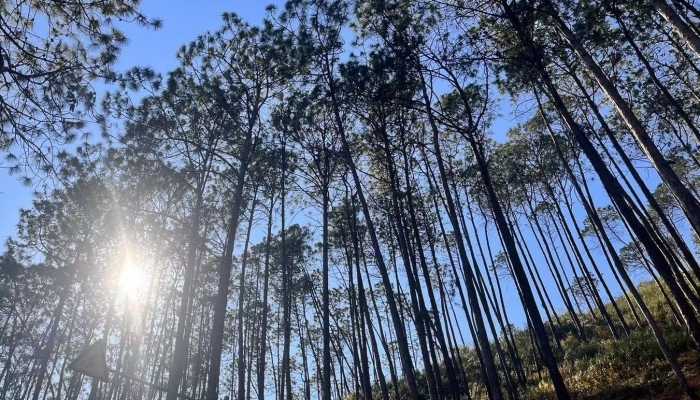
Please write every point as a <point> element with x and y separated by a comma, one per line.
<point>132,281</point>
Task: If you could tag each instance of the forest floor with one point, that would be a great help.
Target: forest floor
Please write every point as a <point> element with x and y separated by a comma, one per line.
<point>663,387</point>
<point>629,368</point>
<point>668,389</point>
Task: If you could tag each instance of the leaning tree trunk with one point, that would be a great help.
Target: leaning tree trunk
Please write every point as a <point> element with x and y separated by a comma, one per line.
<point>610,183</point>
<point>177,363</point>
<point>404,352</point>
<point>685,197</point>
<point>45,353</point>
<point>677,239</point>
<point>658,334</point>
<point>364,309</point>
<point>417,303</point>
<point>520,275</point>
<point>678,24</point>
<point>447,360</point>
<point>489,365</point>
<point>519,272</point>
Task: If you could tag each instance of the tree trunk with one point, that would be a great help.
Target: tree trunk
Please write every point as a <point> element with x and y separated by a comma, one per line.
<point>680,26</point>
<point>686,199</point>
<point>177,363</point>
<point>405,355</point>
<point>489,365</point>
<point>326,372</point>
<point>241,303</point>
<point>224,272</point>
<point>262,344</point>
<point>611,184</point>
<point>45,353</point>
<point>516,264</point>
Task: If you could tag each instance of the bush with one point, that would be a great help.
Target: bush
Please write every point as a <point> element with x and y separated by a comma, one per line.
<point>602,367</point>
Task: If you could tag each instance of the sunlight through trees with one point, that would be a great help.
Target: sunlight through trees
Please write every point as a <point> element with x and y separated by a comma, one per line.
<point>354,199</point>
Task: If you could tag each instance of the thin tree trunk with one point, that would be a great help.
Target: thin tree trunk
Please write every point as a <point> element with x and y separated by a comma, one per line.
<point>518,269</point>
<point>405,355</point>
<point>241,303</point>
<point>224,272</point>
<point>177,363</point>
<point>262,344</point>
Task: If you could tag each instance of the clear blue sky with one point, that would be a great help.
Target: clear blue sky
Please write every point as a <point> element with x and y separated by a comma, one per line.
<point>183,21</point>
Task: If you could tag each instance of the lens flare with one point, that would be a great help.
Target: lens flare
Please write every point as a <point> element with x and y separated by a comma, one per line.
<point>133,281</point>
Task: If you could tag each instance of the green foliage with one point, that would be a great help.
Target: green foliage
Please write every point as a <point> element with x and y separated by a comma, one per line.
<point>50,53</point>
<point>607,366</point>
<point>601,367</point>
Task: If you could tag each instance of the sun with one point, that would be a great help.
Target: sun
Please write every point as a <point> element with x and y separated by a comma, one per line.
<point>133,280</point>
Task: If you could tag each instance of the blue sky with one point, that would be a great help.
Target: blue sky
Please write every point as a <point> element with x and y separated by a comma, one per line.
<point>183,21</point>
